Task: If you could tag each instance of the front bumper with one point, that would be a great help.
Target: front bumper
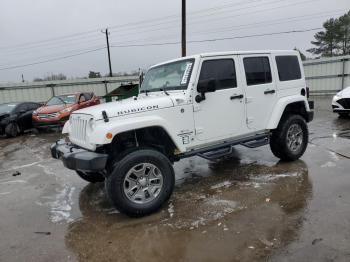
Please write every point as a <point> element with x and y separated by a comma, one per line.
<point>79,159</point>
<point>50,122</point>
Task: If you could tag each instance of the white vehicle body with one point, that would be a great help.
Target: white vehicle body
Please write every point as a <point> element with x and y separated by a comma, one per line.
<point>189,124</point>
<point>341,102</point>
<point>198,105</point>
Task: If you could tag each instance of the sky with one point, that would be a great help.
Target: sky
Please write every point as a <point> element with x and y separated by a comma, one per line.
<point>35,35</point>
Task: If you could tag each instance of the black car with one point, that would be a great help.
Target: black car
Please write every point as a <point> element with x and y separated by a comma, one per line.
<point>15,118</point>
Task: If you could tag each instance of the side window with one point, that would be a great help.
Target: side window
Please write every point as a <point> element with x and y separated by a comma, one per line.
<point>288,68</point>
<point>88,96</point>
<point>34,106</point>
<point>257,70</point>
<point>222,70</point>
<point>82,98</point>
<point>21,107</point>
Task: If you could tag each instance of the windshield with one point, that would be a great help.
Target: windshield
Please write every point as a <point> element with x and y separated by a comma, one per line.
<point>172,76</point>
<point>59,100</point>
<point>7,108</point>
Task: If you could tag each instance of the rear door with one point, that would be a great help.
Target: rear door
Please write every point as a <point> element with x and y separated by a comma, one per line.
<point>261,90</point>
<point>221,114</point>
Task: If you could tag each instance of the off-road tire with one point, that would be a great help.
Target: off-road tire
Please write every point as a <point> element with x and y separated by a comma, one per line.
<point>115,182</point>
<point>12,130</point>
<point>278,139</point>
<point>91,177</point>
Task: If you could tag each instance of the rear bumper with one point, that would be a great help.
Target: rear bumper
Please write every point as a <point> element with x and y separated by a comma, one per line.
<point>77,158</point>
<point>310,114</point>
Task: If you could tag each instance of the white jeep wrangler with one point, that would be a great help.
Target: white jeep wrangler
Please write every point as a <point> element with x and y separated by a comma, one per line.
<point>197,105</point>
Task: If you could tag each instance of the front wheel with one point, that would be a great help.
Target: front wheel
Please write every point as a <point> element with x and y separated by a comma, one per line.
<point>141,182</point>
<point>289,141</point>
<point>12,130</point>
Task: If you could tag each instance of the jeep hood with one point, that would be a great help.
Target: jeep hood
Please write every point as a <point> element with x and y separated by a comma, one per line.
<point>128,106</point>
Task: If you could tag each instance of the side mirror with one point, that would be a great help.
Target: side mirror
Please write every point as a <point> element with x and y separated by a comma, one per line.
<point>22,112</point>
<point>205,86</point>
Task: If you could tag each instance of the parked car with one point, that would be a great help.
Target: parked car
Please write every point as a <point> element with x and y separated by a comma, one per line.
<point>58,109</point>
<point>200,105</point>
<point>15,118</point>
<point>341,102</point>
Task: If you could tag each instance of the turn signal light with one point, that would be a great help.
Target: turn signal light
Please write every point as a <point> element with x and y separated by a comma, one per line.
<point>109,135</point>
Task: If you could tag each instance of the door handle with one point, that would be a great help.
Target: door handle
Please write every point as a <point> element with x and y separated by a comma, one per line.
<point>266,92</point>
<point>236,97</point>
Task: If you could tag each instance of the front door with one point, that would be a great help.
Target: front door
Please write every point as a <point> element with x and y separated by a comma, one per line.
<point>260,90</point>
<point>221,114</point>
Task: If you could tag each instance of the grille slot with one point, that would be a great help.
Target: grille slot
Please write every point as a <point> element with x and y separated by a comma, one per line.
<point>48,116</point>
<point>78,128</point>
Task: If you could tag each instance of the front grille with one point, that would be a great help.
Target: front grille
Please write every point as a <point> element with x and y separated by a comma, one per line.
<point>78,128</point>
<point>48,116</point>
<point>344,102</point>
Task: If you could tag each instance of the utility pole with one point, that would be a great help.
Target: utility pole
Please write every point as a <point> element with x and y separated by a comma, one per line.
<point>22,79</point>
<point>109,53</point>
<point>183,28</point>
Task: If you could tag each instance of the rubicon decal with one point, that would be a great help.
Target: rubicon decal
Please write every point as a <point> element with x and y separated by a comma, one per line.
<point>137,110</point>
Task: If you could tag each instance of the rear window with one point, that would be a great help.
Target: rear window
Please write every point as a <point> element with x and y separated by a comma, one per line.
<point>257,70</point>
<point>288,68</point>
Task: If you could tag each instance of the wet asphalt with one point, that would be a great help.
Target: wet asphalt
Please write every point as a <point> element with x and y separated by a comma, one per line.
<point>247,207</point>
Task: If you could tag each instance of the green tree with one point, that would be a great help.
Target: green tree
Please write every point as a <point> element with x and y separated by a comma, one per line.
<point>326,41</point>
<point>334,39</point>
<point>93,74</point>
<point>344,33</point>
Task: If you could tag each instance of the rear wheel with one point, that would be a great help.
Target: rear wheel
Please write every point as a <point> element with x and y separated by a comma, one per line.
<point>141,182</point>
<point>91,176</point>
<point>12,130</point>
<point>289,141</point>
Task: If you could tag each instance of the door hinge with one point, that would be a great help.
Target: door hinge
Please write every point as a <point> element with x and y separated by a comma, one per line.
<point>248,100</point>
<point>249,120</point>
<point>196,108</point>
<point>199,130</point>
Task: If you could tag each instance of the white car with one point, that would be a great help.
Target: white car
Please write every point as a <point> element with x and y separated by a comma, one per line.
<point>341,102</point>
<point>200,105</point>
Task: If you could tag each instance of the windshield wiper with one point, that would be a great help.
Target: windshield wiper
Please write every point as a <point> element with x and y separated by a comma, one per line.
<point>64,102</point>
<point>144,91</point>
<point>163,90</point>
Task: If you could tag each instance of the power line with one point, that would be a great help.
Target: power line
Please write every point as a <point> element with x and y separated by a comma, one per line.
<point>174,16</point>
<point>51,60</point>
<point>125,26</point>
<point>218,39</point>
<point>40,44</point>
<point>162,44</point>
<point>262,23</point>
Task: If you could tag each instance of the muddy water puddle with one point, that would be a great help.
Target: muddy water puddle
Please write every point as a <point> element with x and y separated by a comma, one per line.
<point>241,214</point>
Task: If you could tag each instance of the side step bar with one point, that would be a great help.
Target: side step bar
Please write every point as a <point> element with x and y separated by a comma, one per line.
<point>225,148</point>
<point>257,143</point>
<point>212,155</point>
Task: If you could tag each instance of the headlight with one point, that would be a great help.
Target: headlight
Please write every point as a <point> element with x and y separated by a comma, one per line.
<point>35,112</point>
<point>67,110</point>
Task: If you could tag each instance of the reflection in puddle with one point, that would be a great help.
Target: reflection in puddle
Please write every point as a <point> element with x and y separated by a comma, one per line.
<point>234,211</point>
